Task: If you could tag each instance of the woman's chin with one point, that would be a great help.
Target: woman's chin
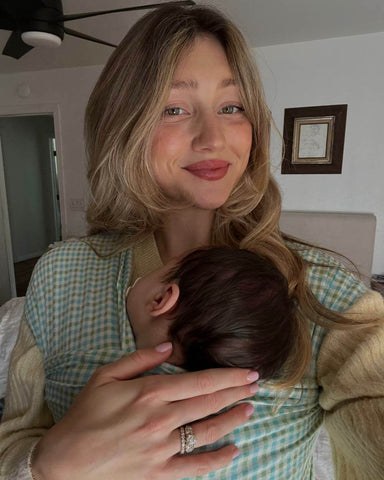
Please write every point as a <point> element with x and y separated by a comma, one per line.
<point>209,205</point>
<point>202,199</point>
<point>209,202</point>
<point>200,202</point>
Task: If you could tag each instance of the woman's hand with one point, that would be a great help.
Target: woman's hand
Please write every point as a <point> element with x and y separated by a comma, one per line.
<point>123,427</point>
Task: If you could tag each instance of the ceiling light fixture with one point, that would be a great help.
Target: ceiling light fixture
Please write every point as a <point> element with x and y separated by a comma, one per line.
<point>41,39</point>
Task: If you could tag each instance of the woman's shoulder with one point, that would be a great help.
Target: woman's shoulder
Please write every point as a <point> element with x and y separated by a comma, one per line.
<point>316,255</point>
<point>98,246</point>
<point>80,258</point>
<point>334,283</point>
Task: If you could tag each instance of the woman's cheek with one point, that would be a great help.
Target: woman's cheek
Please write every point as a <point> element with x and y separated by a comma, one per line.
<point>167,144</point>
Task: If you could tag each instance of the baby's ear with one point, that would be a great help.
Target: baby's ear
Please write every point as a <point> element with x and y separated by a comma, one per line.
<point>164,301</point>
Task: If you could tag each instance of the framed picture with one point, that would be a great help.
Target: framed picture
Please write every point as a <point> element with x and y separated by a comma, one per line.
<point>314,139</point>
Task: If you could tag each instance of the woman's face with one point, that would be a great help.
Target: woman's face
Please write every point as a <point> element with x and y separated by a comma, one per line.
<point>202,144</point>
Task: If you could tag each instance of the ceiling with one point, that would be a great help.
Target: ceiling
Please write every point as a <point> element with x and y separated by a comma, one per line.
<point>263,22</point>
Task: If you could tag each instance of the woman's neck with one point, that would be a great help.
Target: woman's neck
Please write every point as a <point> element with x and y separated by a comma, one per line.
<point>183,231</point>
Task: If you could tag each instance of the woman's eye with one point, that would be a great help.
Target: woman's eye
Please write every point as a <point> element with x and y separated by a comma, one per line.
<point>174,111</point>
<point>229,109</point>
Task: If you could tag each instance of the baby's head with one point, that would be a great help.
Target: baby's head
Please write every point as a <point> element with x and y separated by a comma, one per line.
<point>220,307</point>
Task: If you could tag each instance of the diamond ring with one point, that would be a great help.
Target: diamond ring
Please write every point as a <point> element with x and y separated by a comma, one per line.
<point>187,439</point>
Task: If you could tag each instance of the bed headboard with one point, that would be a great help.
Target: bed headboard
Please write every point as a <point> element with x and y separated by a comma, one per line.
<point>351,234</point>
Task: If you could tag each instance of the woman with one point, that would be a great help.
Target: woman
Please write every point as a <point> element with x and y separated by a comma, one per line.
<point>178,141</point>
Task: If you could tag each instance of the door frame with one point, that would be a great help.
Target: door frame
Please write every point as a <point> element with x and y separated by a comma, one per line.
<point>6,263</point>
<point>46,109</point>
<point>30,110</point>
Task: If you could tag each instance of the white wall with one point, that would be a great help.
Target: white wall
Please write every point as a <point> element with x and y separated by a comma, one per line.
<point>344,70</point>
<point>334,71</point>
<point>68,88</point>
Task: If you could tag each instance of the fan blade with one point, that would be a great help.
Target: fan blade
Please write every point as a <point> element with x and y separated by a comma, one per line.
<point>6,21</point>
<point>69,31</point>
<point>75,16</point>
<point>15,47</point>
<point>55,4</point>
<point>21,9</point>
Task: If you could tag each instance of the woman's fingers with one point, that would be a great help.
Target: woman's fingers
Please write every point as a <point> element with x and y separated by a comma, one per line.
<point>206,432</point>
<point>196,408</point>
<point>170,388</point>
<point>212,429</point>
<point>194,465</point>
<point>132,365</point>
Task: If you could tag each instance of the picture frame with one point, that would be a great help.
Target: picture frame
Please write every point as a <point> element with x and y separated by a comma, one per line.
<point>314,139</point>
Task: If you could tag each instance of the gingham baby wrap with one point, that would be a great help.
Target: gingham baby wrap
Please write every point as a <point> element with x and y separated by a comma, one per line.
<point>76,310</point>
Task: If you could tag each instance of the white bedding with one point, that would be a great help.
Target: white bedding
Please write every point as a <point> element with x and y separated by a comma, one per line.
<point>10,315</point>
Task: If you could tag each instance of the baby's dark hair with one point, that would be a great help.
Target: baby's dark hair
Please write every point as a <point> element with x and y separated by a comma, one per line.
<point>233,310</point>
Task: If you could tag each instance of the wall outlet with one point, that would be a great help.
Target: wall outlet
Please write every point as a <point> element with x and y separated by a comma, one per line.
<point>77,204</point>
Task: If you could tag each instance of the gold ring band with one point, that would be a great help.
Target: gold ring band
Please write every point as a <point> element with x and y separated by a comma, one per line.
<point>187,439</point>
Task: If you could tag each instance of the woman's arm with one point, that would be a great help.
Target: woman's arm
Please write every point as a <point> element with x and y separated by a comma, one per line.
<point>26,416</point>
<point>351,373</point>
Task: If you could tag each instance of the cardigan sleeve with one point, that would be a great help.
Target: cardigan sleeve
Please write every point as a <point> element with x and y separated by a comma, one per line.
<point>351,375</point>
<point>26,416</point>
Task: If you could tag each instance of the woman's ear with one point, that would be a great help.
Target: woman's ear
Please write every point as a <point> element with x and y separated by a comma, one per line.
<point>164,301</point>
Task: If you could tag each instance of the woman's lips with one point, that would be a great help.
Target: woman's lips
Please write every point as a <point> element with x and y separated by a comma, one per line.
<point>209,169</point>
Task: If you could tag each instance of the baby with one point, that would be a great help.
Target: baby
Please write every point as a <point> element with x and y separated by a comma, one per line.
<point>220,307</point>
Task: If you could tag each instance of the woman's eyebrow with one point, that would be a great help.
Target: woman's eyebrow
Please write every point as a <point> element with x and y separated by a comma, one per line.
<point>228,82</point>
<point>192,84</point>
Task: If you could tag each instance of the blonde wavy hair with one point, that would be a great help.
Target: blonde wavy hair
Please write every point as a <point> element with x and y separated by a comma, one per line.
<point>122,113</point>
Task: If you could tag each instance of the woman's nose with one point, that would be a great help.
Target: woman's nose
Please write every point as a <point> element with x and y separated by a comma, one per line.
<point>208,134</point>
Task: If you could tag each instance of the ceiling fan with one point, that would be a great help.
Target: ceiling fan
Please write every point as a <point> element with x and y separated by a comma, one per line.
<point>35,23</point>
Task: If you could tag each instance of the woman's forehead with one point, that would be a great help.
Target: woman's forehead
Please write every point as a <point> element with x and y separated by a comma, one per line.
<point>205,52</point>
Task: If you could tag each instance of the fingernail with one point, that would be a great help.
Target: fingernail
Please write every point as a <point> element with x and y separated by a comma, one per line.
<point>236,453</point>
<point>254,388</point>
<point>163,347</point>
<point>253,376</point>
<point>249,410</point>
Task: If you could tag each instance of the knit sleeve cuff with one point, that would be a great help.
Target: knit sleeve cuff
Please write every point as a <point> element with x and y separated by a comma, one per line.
<point>22,470</point>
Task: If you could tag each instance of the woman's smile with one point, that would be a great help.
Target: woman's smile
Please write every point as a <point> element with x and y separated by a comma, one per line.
<point>209,169</point>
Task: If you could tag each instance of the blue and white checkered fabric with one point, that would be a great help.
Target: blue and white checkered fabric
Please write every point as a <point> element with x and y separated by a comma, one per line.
<point>76,311</point>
